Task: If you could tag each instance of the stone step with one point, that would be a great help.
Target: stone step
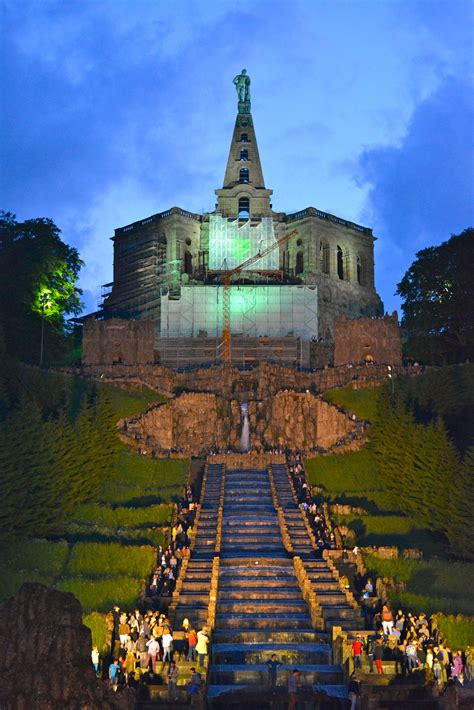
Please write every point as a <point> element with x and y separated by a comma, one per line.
<point>261,621</point>
<point>249,583</point>
<point>338,610</point>
<point>219,692</point>
<point>277,636</point>
<point>243,567</point>
<point>261,652</point>
<point>258,674</point>
<point>259,593</point>
<point>264,606</point>
<point>250,537</point>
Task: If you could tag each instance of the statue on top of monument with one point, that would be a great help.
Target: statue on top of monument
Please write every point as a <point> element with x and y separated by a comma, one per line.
<point>242,85</point>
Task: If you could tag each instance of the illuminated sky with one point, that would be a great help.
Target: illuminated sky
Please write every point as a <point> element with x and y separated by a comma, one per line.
<point>114,110</point>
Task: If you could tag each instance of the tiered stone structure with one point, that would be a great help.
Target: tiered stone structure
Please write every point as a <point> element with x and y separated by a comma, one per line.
<point>118,341</point>
<point>367,340</point>
<point>194,423</point>
<point>170,249</point>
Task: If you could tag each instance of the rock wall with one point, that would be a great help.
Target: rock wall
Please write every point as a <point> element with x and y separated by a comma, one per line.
<point>195,423</point>
<point>301,421</point>
<point>46,656</point>
<point>376,339</point>
<point>192,424</point>
<point>259,383</point>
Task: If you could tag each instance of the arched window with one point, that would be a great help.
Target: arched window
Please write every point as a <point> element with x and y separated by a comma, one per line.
<point>324,257</point>
<point>243,175</point>
<point>244,138</point>
<point>188,263</point>
<point>340,263</point>
<point>244,208</point>
<point>299,267</point>
<point>244,154</point>
<point>359,270</point>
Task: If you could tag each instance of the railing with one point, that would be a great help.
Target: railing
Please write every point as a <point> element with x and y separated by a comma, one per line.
<point>313,212</point>
<point>157,217</point>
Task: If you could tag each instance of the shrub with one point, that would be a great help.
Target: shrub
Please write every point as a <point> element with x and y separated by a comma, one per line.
<point>110,559</point>
<point>97,624</point>
<point>459,631</point>
<point>103,594</point>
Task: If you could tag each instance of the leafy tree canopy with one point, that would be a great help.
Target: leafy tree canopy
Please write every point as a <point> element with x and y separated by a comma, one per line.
<point>438,293</point>
<point>38,275</point>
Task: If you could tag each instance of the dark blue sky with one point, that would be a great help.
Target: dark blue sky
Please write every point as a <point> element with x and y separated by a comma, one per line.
<point>114,110</point>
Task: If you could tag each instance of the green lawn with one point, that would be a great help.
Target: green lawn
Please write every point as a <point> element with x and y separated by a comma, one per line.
<point>362,402</point>
<point>349,478</point>
<point>138,480</point>
<point>110,560</point>
<point>432,585</point>
<point>458,630</point>
<point>98,626</point>
<point>109,545</point>
<point>104,516</point>
<point>128,402</point>
<point>102,594</point>
<point>398,530</point>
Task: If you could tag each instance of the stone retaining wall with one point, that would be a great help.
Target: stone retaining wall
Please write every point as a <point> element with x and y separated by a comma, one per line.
<point>197,422</point>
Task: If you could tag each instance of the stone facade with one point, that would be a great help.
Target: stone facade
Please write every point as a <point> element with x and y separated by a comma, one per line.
<point>260,383</point>
<point>118,341</point>
<point>159,254</point>
<point>367,339</point>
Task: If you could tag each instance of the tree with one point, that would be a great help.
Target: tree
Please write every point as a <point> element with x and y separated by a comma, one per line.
<point>38,275</point>
<point>438,293</point>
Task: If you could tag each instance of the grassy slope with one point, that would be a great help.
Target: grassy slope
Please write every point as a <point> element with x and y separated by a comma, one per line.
<point>433,584</point>
<point>106,549</point>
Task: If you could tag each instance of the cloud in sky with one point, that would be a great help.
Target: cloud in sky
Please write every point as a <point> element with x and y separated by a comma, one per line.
<point>422,190</point>
<point>112,111</point>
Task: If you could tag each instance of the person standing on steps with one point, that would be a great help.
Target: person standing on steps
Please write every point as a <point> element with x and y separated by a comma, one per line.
<point>293,689</point>
<point>273,665</point>
<point>201,646</point>
<point>173,674</point>
<point>378,653</point>
<point>357,652</point>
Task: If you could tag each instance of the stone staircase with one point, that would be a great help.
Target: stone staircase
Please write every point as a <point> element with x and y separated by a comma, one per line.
<point>260,607</point>
<point>257,581</point>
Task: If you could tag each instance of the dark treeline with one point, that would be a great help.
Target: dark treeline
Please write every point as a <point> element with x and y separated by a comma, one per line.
<point>425,474</point>
<point>57,443</point>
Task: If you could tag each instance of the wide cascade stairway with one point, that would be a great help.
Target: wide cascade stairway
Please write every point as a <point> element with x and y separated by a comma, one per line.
<point>253,567</point>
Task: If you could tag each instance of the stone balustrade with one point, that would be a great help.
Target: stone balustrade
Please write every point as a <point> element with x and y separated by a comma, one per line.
<point>220,513</point>
<point>211,611</point>
<point>308,593</point>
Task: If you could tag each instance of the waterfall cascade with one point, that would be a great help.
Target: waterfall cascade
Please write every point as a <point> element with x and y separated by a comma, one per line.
<point>245,435</point>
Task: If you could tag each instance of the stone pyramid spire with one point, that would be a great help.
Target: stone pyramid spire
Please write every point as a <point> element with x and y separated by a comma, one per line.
<point>244,191</point>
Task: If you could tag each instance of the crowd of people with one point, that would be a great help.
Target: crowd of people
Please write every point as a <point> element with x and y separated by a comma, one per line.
<point>310,504</point>
<point>169,559</point>
<point>411,642</point>
<point>145,650</point>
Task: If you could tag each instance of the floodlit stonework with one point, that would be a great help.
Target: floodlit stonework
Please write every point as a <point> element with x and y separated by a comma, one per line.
<point>155,257</point>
